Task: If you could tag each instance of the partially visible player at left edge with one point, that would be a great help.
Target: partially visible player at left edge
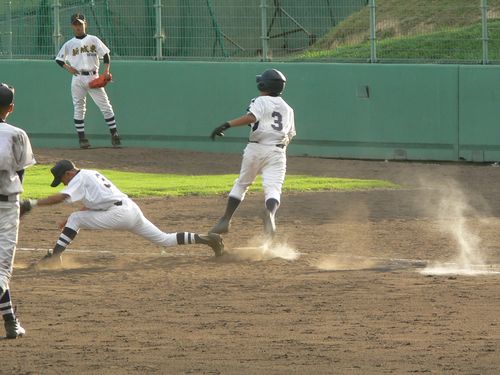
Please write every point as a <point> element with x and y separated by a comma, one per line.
<point>15,155</point>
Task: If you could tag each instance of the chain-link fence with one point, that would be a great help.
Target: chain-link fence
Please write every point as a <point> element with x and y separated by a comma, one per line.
<point>466,31</point>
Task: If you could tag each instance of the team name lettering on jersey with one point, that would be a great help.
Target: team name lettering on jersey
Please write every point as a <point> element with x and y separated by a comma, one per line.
<point>92,49</point>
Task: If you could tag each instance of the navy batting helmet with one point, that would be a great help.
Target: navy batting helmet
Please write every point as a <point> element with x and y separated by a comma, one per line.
<point>271,81</point>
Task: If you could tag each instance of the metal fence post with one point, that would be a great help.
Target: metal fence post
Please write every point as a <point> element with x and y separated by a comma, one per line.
<point>56,37</point>
<point>484,37</point>
<point>373,35</point>
<point>264,38</point>
<point>9,23</point>
<point>159,37</point>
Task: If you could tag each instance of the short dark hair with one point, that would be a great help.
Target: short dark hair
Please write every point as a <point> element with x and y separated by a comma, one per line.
<point>6,95</point>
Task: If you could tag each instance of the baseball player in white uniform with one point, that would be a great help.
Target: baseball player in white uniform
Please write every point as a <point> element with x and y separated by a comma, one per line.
<point>106,207</point>
<point>15,155</point>
<point>272,128</point>
<point>80,56</point>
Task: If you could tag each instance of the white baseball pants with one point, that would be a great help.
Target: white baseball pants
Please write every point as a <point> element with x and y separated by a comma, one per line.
<point>127,217</point>
<point>79,90</point>
<point>9,227</point>
<point>270,161</point>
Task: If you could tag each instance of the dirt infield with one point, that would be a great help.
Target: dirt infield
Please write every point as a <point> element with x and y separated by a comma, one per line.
<point>347,289</point>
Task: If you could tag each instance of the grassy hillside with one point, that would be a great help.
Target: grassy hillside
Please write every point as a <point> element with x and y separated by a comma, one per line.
<point>423,30</point>
<point>462,44</point>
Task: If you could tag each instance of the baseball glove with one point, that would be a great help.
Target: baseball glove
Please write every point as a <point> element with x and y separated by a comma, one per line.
<point>26,206</point>
<point>219,130</point>
<point>100,81</point>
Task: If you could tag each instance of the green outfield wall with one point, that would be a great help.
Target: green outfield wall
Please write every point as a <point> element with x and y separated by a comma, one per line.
<point>372,111</point>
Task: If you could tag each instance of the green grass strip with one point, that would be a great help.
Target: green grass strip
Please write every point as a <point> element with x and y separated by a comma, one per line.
<point>38,179</point>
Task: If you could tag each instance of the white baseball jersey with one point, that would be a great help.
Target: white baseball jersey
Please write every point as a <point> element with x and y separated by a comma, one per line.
<point>275,126</point>
<point>16,154</point>
<point>275,121</point>
<point>94,190</point>
<point>109,208</point>
<point>83,54</point>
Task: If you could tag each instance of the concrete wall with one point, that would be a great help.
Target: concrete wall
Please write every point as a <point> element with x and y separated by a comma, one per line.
<point>416,112</point>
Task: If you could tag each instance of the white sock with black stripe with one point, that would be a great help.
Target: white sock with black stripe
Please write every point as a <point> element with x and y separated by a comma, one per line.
<point>111,124</point>
<point>65,238</point>
<point>186,238</point>
<point>80,128</point>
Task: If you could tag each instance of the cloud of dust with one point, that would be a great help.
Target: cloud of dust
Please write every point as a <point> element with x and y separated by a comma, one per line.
<point>22,265</point>
<point>260,249</point>
<point>343,262</point>
<point>70,262</point>
<point>355,246</point>
<point>453,211</point>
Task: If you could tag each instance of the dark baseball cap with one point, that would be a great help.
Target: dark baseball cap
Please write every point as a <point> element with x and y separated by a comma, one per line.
<point>77,17</point>
<point>6,94</point>
<point>58,170</point>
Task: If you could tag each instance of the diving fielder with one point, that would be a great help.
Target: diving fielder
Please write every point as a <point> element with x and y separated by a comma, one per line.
<point>105,207</point>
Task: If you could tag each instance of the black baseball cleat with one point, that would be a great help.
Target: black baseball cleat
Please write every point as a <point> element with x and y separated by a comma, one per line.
<point>269,224</point>
<point>84,143</point>
<point>215,242</point>
<point>115,140</point>
<point>221,227</point>
<point>13,329</point>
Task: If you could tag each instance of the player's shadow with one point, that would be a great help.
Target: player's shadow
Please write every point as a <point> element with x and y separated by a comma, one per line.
<point>380,267</point>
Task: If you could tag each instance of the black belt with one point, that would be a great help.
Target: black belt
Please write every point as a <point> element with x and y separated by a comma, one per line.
<point>5,198</point>
<point>280,145</point>
<point>119,203</point>
<point>88,73</point>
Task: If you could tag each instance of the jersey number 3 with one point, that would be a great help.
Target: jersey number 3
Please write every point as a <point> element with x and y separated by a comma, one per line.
<point>103,180</point>
<point>277,125</point>
<point>278,121</point>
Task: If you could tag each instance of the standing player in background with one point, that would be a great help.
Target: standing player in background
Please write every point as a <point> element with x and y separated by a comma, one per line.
<point>106,207</point>
<point>272,128</point>
<point>80,56</point>
<point>15,156</point>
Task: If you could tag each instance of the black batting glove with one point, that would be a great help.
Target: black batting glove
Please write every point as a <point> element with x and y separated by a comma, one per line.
<point>26,206</point>
<point>219,131</point>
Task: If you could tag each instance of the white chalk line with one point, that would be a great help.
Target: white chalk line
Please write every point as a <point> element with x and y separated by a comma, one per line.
<point>490,268</point>
<point>163,253</point>
<point>433,267</point>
